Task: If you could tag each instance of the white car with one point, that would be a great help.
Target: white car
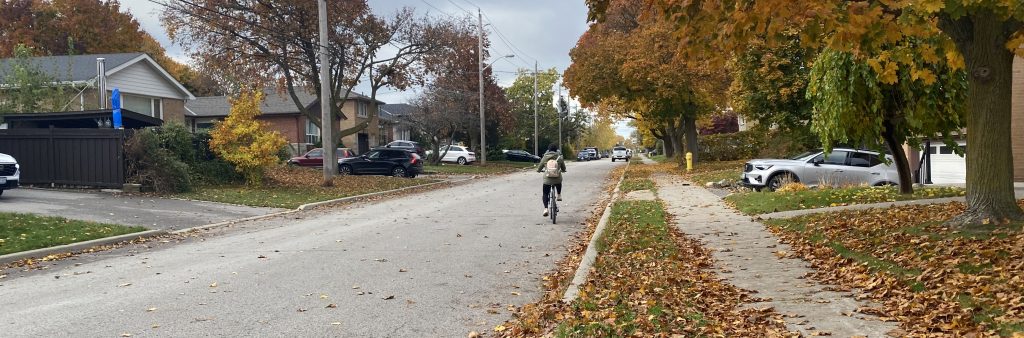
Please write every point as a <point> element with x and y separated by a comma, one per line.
<point>457,154</point>
<point>10,173</point>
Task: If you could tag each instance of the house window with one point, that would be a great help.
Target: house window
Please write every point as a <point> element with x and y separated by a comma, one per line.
<point>361,109</point>
<point>143,105</point>
<point>312,132</point>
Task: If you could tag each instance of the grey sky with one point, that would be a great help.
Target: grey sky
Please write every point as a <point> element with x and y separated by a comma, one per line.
<point>541,30</point>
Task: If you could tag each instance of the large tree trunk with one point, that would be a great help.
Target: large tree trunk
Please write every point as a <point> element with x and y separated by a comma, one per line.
<point>900,157</point>
<point>674,138</point>
<point>666,142</point>
<point>982,38</point>
<point>690,128</point>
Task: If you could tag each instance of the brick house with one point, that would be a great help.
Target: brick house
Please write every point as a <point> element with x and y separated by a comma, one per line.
<point>280,112</point>
<point>146,87</point>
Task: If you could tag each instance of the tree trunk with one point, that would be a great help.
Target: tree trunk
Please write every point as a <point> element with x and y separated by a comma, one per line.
<point>674,138</point>
<point>690,126</point>
<point>990,197</point>
<point>900,157</point>
<point>666,142</point>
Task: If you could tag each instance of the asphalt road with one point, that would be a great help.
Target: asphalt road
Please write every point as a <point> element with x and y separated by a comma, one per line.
<point>435,264</point>
<point>150,212</point>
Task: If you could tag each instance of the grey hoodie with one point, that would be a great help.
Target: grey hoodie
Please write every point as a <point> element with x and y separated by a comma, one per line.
<point>544,162</point>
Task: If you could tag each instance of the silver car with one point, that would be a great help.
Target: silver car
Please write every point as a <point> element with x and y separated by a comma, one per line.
<point>841,167</point>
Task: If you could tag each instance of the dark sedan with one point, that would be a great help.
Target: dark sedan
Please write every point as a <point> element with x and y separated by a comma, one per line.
<point>392,162</point>
<point>521,156</point>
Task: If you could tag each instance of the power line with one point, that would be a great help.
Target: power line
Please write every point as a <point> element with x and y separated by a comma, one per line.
<point>439,10</point>
<point>460,7</point>
<point>504,38</point>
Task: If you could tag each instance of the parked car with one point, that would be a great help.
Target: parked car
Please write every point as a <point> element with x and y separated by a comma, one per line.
<point>843,166</point>
<point>10,173</point>
<point>620,153</point>
<point>315,157</point>
<point>604,154</point>
<point>583,155</point>
<point>407,145</point>
<point>383,161</point>
<point>521,156</point>
<point>593,153</point>
<point>457,154</point>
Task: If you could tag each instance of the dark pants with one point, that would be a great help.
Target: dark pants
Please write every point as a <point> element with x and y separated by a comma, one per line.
<point>547,192</point>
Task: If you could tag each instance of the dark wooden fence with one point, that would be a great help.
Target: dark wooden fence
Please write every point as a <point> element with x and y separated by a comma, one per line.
<point>76,157</point>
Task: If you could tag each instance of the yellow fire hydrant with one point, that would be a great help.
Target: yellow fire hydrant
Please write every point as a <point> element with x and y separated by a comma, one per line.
<point>689,161</point>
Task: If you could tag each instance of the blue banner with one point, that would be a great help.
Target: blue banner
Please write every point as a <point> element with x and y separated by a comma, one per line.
<point>115,102</point>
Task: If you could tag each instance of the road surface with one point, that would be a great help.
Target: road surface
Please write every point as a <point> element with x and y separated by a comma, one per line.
<point>435,264</point>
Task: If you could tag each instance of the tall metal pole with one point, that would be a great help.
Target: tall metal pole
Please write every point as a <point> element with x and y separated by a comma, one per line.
<point>480,64</point>
<point>536,148</point>
<point>560,117</point>
<point>326,118</point>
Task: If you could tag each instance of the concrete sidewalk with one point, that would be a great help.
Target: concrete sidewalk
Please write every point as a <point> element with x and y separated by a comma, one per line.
<point>747,256</point>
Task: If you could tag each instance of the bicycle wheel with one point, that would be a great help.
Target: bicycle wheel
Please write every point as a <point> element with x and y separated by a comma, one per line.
<point>554,205</point>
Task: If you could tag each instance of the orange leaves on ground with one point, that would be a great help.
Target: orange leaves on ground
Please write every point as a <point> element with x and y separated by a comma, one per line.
<point>933,279</point>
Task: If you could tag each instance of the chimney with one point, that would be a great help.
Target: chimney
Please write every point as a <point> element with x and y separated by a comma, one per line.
<point>101,82</point>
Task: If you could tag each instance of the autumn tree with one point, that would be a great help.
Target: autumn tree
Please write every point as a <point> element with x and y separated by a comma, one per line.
<point>980,37</point>
<point>28,89</point>
<point>769,85</point>
<point>520,96</point>
<point>244,141</point>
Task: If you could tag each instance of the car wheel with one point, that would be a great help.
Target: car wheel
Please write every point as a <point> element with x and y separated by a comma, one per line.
<point>345,170</point>
<point>886,184</point>
<point>398,171</point>
<point>778,180</point>
<point>461,161</point>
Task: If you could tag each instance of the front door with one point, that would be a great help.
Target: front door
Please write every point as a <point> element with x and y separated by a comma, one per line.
<point>364,143</point>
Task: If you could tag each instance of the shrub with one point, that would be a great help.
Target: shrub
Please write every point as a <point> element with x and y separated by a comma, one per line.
<point>151,165</point>
<point>792,187</point>
<point>244,141</point>
<point>753,143</point>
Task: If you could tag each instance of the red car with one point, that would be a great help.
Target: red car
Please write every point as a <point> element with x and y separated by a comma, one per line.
<point>315,157</point>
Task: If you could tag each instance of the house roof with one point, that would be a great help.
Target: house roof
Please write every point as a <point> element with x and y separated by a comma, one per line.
<point>274,103</point>
<point>79,119</point>
<point>393,112</point>
<point>82,68</point>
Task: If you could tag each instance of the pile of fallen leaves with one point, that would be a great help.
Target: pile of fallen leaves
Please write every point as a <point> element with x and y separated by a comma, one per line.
<point>933,279</point>
<point>648,280</point>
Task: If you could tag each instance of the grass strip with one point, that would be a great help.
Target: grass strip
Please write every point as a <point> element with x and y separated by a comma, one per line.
<point>755,203</point>
<point>22,232</point>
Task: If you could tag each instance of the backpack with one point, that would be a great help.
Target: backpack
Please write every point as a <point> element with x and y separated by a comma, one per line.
<point>551,169</point>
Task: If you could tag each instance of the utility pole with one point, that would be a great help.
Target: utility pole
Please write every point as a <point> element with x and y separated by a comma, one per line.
<point>536,148</point>
<point>560,117</point>
<point>326,120</point>
<point>480,65</point>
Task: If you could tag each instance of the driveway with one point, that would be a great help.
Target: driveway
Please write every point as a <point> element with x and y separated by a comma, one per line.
<point>435,264</point>
<point>150,212</point>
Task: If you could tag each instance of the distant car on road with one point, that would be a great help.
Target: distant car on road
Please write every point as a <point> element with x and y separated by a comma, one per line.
<point>315,157</point>
<point>457,154</point>
<point>407,145</point>
<point>592,152</point>
<point>620,153</point>
<point>521,156</point>
<point>583,155</point>
<point>383,161</point>
<point>10,173</point>
<point>843,166</point>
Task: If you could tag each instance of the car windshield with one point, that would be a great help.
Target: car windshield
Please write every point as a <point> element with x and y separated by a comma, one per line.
<point>805,154</point>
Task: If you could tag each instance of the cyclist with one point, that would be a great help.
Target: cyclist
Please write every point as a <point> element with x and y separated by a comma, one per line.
<point>552,173</point>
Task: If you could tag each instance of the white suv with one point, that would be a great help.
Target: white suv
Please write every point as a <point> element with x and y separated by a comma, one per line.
<point>457,154</point>
<point>10,173</point>
<point>841,167</point>
<point>620,153</point>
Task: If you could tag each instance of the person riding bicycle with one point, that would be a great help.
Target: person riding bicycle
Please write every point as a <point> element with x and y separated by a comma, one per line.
<point>552,165</point>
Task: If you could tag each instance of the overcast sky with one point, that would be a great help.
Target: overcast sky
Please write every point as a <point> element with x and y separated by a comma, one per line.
<point>534,30</point>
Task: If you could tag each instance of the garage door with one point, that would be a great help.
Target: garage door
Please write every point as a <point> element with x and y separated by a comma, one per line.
<point>947,166</point>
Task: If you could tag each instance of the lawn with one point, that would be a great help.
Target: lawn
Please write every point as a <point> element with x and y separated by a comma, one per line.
<point>755,203</point>
<point>23,232</point>
<point>492,167</point>
<point>291,187</point>
<point>933,279</point>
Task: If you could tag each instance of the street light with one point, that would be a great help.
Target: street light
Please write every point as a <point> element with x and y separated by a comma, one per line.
<point>483,128</point>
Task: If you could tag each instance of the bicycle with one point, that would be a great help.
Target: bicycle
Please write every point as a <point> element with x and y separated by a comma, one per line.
<point>553,204</point>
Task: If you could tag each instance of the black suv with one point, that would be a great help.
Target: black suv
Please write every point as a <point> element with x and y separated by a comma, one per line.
<point>383,161</point>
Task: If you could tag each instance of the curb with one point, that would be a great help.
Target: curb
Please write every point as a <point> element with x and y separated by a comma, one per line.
<point>80,246</point>
<point>590,256</point>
